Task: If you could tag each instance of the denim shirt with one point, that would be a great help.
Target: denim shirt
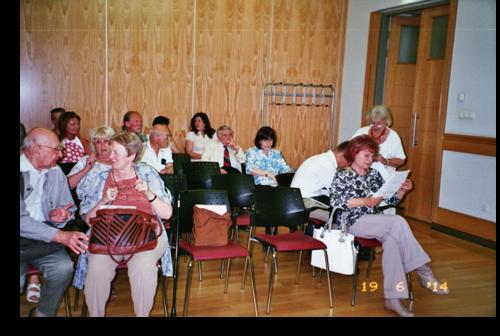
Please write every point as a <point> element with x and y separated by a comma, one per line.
<point>274,163</point>
<point>90,191</point>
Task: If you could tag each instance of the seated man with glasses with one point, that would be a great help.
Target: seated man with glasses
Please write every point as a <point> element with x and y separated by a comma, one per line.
<point>46,206</point>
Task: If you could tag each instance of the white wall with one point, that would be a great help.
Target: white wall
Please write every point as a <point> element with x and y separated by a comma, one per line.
<point>353,78</point>
<point>473,70</point>
<point>468,184</point>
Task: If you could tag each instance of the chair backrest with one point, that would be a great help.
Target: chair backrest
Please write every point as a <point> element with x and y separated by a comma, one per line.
<point>198,173</point>
<point>239,188</point>
<point>189,198</point>
<point>66,167</point>
<point>179,160</point>
<point>175,184</point>
<point>279,206</point>
<point>285,179</point>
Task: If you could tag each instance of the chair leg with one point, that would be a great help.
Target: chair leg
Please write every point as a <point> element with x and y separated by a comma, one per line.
<point>298,269</point>
<point>163,286</point>
<point>77,296</point>
<point>237,234</point>
<point>368,270</point>
<point>267,254</point>
<point>328,279</point>
<point>84,309</point>
<point>250,252</point>
<point>188,286</point>
<point>354,283</point>
<point>252,283</point>
<point>227,275</point>
<point>222,268</point>
<point>174,290</point>
<point>271,282</point>
<point>410,287</point>
<point>67,301</point>
<point>313,271</point>
<point>200,277</point>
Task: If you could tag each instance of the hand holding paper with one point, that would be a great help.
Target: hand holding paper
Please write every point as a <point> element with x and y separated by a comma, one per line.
<point>393,184</point>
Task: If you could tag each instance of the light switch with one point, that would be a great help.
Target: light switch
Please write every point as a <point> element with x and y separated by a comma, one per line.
<point>461,97</point>
<point>466,114</point>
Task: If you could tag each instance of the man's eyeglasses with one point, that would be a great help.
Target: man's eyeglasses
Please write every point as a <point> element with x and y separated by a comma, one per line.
<point>57,149</point>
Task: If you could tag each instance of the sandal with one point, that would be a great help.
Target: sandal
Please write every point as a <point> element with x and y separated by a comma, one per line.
<point>33,293</point>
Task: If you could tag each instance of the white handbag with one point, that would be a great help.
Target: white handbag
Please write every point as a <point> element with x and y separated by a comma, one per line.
<point>340,248</point>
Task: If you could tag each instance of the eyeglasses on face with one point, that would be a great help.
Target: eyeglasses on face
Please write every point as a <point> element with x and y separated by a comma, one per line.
<point>57,149</point>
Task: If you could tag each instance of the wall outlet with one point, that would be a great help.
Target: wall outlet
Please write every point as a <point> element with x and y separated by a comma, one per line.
<point>466,114</point>
<point>484,207</point>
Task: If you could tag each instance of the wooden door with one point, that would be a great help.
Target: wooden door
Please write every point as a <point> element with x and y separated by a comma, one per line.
<point>400,74</point>
<point>421,151</point>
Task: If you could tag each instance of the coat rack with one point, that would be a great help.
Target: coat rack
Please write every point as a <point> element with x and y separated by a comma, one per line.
<point>299,94</point>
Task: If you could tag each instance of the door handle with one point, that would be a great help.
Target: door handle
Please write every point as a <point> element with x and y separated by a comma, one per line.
<point>414,130</point>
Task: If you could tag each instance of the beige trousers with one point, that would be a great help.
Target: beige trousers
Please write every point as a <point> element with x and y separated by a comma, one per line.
<point>142,273</point>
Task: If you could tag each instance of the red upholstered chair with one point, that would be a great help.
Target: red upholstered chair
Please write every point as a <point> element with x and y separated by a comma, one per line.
<point>187,200</point>
<point>283,206</point>
<point>32,270</point>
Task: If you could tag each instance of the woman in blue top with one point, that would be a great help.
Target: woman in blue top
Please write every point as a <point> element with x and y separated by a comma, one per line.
<point>263,161</point>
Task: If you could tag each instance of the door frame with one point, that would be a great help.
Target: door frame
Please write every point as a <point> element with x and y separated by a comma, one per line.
<point>371,70</point>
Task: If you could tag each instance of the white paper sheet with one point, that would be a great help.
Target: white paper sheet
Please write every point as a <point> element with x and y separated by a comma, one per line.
<point>218,209</point>
<point>312,203</point>
<point>111,206</point>
<point>392,184</point>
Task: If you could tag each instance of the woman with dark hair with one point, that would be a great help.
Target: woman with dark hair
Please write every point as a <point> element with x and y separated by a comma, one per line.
<point>200,135</point>
<point>263,161</point>
<point>74,147</point>
<point>351,190</point>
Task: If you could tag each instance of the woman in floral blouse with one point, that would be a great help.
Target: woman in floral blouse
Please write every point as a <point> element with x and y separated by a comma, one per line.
<point>263,161</point>
<point>351,189</point>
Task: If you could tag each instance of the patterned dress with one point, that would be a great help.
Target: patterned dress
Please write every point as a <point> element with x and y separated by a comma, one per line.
<point>348,184</point>
<point>72,150</point>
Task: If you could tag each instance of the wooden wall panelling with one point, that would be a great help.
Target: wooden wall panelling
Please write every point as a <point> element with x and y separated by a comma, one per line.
<point>150,61</point>
<point>305,49</point>
<point>62,61</point>
<point>232,43</point>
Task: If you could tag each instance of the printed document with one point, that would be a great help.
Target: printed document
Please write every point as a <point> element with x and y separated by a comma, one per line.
<point>392,184</point>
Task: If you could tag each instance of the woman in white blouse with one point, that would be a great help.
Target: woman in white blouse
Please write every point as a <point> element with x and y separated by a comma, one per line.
<point>379,119</point>
<point>201,134</point>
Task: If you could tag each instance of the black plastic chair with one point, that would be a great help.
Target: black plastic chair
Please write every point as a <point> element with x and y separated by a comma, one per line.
<point>285,179</point>
<point>187,199</point>
<point>179,160</point>
<point>240,190</point>
<point>66,167</point>
<point>198,173</point>
<point>283,206</point>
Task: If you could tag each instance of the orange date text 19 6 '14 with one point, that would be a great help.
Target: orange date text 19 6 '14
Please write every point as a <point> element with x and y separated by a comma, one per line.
<point>434,285</point>
<point>373,286</point>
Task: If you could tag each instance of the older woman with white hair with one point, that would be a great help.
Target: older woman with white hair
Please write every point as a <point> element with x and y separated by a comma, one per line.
<point>391,153</point>
<point>98,160</point>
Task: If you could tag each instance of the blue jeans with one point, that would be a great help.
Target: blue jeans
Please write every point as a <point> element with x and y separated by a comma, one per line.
<point>57,269</point>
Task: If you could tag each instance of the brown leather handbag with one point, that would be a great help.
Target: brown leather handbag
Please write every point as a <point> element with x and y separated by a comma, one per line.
<point>210,228</point>
<point>122,232</point>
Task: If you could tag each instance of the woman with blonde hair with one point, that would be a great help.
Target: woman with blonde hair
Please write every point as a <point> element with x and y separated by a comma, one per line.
<point>98,160</point>
<point>391,153</point>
